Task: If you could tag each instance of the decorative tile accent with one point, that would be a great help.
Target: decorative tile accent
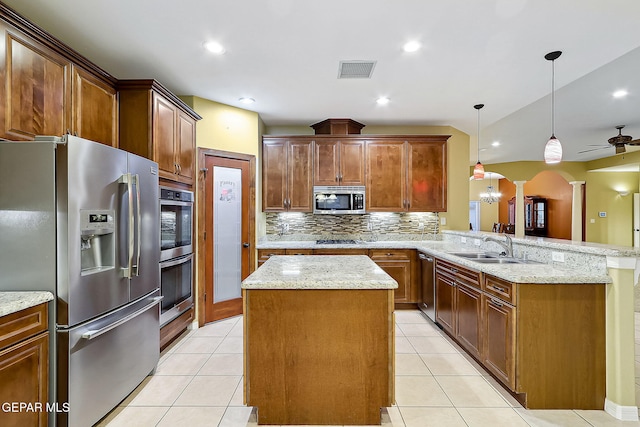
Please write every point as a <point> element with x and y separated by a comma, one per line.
<point>371,226</point>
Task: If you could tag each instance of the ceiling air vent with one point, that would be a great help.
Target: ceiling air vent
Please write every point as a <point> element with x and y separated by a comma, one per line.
<point>356,69</point>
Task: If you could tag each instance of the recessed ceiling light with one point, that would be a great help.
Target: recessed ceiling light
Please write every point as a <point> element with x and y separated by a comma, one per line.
<point>245,100</point>
<point>495,144</point>
<point>383,100</point>
<point>411,46</point>
<point>620,93</point>
<point>214,47</point>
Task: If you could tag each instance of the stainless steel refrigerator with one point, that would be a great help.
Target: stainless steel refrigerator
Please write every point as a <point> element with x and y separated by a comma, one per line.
<point>81,219</point>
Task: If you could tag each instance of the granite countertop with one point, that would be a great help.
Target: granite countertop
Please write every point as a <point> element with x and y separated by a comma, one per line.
<point>11,302</point>
<point>319,272</point>
<point>536,273</point>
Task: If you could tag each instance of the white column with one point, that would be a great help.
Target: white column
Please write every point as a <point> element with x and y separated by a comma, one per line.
<point>576,211</point>
<point>519,208</point>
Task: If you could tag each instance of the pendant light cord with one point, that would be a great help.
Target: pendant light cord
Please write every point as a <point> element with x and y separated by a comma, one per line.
<point>478,135</point>
<point>553,98</point>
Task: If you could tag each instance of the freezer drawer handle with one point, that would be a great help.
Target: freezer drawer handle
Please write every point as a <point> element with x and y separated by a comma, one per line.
<point>89,335</point>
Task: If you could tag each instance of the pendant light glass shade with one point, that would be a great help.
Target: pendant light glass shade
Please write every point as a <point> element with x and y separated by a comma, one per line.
<point>478,171</point>
<point>553,151</point>
<point>553,148</point>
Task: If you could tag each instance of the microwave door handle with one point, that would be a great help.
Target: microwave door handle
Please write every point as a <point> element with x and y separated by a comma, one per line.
<point>139,225</point>
<point>127,179</point>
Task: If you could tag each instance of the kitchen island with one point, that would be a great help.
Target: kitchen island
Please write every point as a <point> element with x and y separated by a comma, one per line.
<point>319,340</point>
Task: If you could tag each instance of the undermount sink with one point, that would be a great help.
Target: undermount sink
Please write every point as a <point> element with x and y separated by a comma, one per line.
<point>479,255</point>
<point>492,258</point>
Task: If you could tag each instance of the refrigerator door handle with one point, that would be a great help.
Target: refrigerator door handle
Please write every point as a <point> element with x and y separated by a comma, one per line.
<point>89,335</point>
<point>136,267</point>
<point>127,179</point>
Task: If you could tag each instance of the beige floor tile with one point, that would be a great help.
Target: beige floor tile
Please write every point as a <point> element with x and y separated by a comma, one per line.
<point>410,364</point>
<point>492,417</point>
<point>238,396</point>
<point>501,390</point>
<point>238,328</point>
<point>470,392</point>
<point>223,364</point>
<point>419,391</point>
<point>158,390</point>
<point>132,416</point>
<point>404,346</point>
<point>395,417</point>
<point>409,316</point>
<point>238,416</point>
<point>215,329</point>
<point>602,419</point>
<point>199,345</point>
<point>189,416</point>
<point>431,417</point>
<point>230,345</point>
<point>215,390</point>
<point>551,418</point>
<point>398,331</point>
<point>448,364</point>
<point>182,364</point>
<point>431,345</point>
<point>420,330</point>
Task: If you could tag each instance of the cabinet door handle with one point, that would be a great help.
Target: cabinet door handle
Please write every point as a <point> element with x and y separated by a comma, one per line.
<point>179,169</point>
<point>495,302</point>
<point>497,288</point>
<point>389,254</point>
<point>454,270</point>
<point>337,178</point>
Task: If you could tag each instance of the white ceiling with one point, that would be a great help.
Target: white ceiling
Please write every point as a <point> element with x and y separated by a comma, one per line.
<point>285,55</point>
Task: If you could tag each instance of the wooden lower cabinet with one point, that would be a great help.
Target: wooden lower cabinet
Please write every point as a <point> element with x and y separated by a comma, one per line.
<point>544,342</point>
<point>24,366</point>
<point>499,339</point>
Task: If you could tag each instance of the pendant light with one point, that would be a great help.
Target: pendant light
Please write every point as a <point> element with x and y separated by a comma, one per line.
<point>478,171</point>
<point>553,149</point>
<point>491,195</point>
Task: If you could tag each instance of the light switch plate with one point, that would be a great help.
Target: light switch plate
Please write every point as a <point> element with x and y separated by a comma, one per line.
<point>477,242</point>
<point>443,221</point>
<point>463,240</point>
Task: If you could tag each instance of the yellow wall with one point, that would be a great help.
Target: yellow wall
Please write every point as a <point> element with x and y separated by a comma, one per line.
<point>602,196</point>
<point>457,215</point>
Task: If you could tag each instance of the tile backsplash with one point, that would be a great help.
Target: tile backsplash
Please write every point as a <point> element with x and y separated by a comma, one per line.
<point>371,226</point>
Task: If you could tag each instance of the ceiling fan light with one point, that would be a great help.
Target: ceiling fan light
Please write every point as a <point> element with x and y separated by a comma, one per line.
<point>553,151</point>
<point>478,171</point>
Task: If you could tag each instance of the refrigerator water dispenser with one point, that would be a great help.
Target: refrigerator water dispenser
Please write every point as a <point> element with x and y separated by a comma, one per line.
<point>97,241</point>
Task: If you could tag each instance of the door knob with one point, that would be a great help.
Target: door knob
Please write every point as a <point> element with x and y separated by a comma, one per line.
<point>245,245</point>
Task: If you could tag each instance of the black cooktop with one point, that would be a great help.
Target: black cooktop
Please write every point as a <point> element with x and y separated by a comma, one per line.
<point>335,242</point>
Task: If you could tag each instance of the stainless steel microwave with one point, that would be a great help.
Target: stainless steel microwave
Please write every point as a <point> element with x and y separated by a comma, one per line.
<point>338,200</point>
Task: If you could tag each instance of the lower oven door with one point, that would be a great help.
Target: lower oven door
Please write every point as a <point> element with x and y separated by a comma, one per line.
<point>176,287</point>
<point>102,361</point>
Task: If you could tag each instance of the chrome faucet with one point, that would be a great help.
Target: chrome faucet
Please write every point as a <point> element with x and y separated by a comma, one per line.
<point>507,245</point>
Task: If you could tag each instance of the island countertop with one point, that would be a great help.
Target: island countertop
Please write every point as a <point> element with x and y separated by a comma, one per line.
<point>319,272</point>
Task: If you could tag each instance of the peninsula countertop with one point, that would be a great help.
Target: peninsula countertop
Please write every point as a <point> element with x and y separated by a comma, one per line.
<point>11,302</point>
<point>319,272</point>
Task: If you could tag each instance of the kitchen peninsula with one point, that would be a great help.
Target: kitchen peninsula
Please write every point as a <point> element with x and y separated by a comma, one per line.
<point>319,340</point>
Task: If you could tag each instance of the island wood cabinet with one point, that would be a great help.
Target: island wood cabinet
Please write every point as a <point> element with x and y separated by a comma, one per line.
<point>24,365</point>
<point>48,89</point>
<point>338,162</point>
<point>156,124</point>
<point>458,304</point>
<point>287,174</point>
<point>531,337</point>
<point>406,174</point>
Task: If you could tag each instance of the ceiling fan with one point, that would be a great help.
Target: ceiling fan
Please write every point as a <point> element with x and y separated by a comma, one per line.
<point>618,141</point>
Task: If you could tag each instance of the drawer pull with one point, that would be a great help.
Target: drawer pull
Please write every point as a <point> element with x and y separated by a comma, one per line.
<point>389,254</point>
<point>498,288</point>
<point>495,302</point>
<point>454,270</point>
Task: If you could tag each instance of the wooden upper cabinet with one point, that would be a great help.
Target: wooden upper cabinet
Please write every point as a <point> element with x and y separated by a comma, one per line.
<point>427,176</point>
<point>407,175</point>
<point>49,89</point>
<point>156,124</point>
<point>35,90</point>
<point>339,162</point>
<point>386,176</point>
<point>286,174</point>
<point>95,108</point>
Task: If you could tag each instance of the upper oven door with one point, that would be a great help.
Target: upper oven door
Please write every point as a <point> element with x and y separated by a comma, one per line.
<point>176,229</point>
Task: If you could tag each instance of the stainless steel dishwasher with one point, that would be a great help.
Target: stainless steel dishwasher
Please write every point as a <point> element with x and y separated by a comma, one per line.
<point>428,303</point>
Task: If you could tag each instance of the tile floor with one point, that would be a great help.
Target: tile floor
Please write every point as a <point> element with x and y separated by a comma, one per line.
<point>198,382</point>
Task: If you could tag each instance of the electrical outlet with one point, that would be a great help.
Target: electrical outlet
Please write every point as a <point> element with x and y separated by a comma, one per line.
<point>477,242</point>
<point>557,256</point>
<point>443,221</point>
<point>421,226</point>
<point>463,240</point>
